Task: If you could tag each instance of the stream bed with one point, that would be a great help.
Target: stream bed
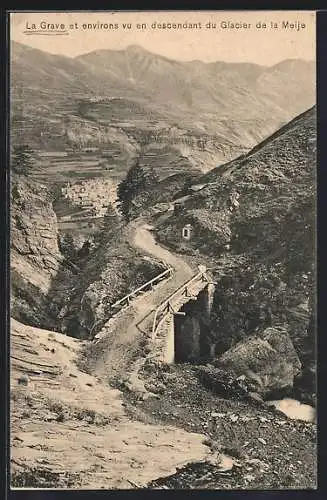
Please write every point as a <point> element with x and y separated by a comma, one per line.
<point>294,409</point>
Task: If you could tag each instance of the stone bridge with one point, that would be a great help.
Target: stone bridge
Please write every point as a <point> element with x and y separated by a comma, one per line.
<point>180,322</point>
<point>175,327</point>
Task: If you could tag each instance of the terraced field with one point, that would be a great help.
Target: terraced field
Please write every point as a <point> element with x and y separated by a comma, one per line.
<point>56,168</point>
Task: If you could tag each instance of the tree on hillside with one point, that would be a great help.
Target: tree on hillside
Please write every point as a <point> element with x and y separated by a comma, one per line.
<point>110,218</point>
<point>22,159</point>
<point>110,221</point>
<point>138,180</point>
<point>67,246</point>
<point>109,226</point>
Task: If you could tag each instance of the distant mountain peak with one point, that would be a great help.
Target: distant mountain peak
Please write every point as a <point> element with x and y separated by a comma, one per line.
<point>293,63</point>
<point>136,49</point>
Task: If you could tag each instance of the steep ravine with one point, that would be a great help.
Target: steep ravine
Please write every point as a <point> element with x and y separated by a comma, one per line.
<point>68,291</point>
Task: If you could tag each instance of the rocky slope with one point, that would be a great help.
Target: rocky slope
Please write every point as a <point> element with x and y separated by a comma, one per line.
<point>254,219</point>
<point>268,450</point>
<point>70,429</point>
<point>267,363</point>
<point>179,115</point>
<point>35,257</point>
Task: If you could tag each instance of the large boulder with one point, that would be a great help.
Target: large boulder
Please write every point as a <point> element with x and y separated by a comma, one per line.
<point>268,361</point>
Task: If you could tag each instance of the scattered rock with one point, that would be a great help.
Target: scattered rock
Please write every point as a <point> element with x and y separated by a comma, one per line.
<point>223,462</point>
<point>214,414</point>
<point>255,397</point>
<point>222,382</point>
<point>249,478</point>
<point>234,418</point>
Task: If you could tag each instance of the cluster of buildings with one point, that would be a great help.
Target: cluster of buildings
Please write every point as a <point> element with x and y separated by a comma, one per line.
<point>93,195</point>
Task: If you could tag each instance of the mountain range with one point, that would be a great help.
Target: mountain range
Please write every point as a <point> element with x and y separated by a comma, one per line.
<point>131,102</point>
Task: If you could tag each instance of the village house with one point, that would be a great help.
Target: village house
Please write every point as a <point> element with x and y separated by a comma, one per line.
<point>95,193</point>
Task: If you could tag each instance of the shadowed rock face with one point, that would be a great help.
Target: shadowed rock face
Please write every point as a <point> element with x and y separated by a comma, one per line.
<point>34,229</point>
<point>188,341</point>
<point>35,257</point>
<point>268,361</point>
<point>191,328</point>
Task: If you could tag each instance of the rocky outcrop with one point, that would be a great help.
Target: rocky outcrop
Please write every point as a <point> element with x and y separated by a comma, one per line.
<point>100,284</point>
<point>35,257</point>
<point>254,201</point>
<point>268,361</point>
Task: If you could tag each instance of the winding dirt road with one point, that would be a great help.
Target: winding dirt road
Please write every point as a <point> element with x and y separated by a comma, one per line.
<point>120,338</point>
<point>144,240</point>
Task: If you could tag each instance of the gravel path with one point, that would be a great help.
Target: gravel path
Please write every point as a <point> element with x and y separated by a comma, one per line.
<point>121,339</point>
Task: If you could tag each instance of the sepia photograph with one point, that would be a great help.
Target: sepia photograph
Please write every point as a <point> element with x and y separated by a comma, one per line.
<point>163,250</point>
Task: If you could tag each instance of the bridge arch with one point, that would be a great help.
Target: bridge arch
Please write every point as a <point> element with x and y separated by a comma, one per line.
<point>191,328</point>
<point>181,323</point>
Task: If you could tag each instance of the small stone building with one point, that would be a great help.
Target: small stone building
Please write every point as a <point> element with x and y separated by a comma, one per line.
<point>187,232</point>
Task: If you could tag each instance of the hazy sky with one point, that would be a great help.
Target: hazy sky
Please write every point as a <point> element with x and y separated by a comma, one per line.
<point>249,44</point>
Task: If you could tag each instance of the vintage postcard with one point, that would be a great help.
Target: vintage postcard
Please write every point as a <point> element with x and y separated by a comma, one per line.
<point>163,256</point>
